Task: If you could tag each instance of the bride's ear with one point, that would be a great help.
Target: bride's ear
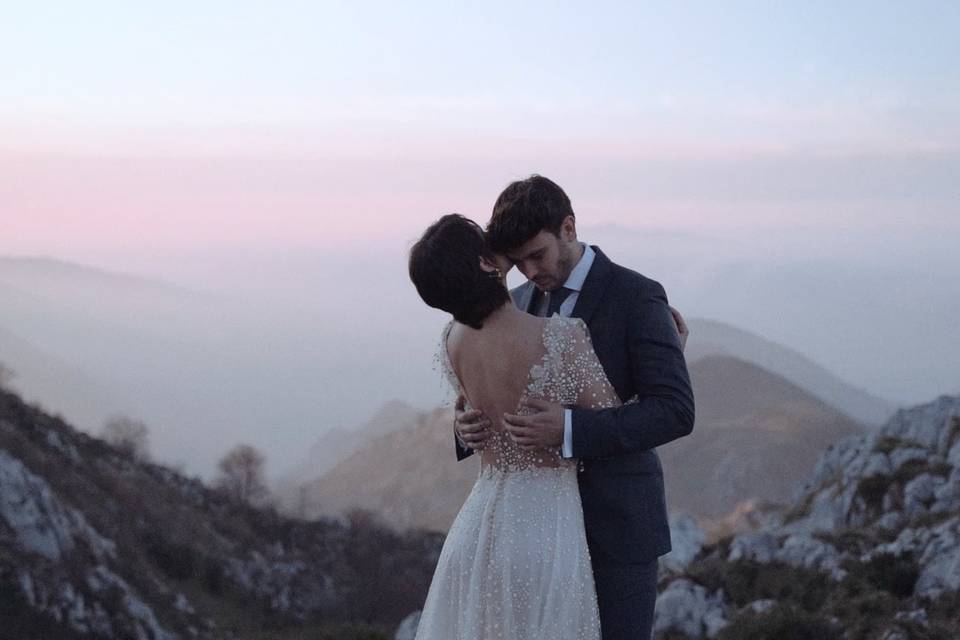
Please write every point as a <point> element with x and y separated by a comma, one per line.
<point>488,266</point>
<point>491,269</point>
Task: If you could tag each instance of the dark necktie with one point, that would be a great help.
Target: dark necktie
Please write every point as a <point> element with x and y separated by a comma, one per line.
<point>556,299</point>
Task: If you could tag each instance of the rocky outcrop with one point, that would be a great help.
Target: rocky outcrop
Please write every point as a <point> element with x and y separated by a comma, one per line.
<point>94,543</point>
<point>756,438</point>
<point>686,538</point>
<point>877,518</point>
<point>37,520</point>
<point>687,608</point>
<point>904,471</point>
<point>408,628</point>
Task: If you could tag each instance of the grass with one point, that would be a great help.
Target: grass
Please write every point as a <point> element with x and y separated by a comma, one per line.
<point>888,444</point>
<point>783,622</point>
<point>247,621</point>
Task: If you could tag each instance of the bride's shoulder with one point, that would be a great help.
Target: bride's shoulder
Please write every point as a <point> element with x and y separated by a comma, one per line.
<point>568,326</point>
<point>449,338</point>
<point>565,334</point>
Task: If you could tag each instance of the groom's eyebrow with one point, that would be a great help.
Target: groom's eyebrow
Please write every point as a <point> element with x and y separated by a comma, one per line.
<point>526,256</point>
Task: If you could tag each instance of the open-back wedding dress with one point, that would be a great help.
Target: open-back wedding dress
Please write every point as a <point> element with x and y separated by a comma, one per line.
<point>515,564</point>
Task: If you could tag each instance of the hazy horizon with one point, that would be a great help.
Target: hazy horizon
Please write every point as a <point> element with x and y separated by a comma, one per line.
<point>789,170</point>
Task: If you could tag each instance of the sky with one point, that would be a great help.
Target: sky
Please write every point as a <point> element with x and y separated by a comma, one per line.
<point>788,167</point>
<point>159,125</point>
<point>296,109</point>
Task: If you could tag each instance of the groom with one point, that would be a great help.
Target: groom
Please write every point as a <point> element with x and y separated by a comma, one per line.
<point>636,340</point>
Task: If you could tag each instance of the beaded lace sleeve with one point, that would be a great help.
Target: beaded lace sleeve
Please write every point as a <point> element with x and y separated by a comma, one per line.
<point>589,383</point>
<point>441,361</point>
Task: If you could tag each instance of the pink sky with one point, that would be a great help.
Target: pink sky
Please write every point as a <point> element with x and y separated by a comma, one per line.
<point>274,189</point>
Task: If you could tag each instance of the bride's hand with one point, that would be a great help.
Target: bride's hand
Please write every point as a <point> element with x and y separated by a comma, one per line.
<point>682,328</point>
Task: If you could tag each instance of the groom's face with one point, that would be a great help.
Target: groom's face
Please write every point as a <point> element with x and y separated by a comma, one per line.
<point>547,259</point>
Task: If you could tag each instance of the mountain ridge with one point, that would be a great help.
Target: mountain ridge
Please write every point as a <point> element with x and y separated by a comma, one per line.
<point>412,479</point>
<point>713,337</point>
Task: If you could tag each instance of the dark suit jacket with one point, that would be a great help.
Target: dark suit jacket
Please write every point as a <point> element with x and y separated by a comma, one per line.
<point>621,481</point>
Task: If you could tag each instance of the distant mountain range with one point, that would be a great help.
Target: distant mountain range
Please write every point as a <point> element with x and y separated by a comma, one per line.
<point>212,371</point>
<point>336,445</point>
<point>709,338</point>
<point>156,347</point>
<point>410,478</point>
<point>62,388</point>
<point>28,271</point>
<point>196,367</point>
<point>756,436</point>
<point>759,428</point>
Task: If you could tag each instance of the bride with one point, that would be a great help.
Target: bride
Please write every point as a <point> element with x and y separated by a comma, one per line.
<point>515,563</point>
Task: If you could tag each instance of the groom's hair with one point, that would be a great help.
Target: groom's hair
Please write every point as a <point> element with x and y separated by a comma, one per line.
<point>524,209</point>
<point>445,268</point>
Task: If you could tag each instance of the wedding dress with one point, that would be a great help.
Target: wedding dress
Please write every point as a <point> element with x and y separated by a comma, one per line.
<point>515,564</point>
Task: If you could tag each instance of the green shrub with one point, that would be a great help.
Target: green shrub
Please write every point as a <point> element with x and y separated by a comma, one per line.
<point>177,561</point>
<point>941,468</point>
<point>944,622</point>
<point>895,574</point>
<point>20,621</point>
<point>954,434</point>
<point>931,519</point>
<point>744,581</point>
<point>873,489</point>
<point>862,608</point>
<point>799,511</point>
<point>889,444</point>
<point>348,632</point>
<point>910,470</point>
<point>782,623</point>
<point>318,632</point>
<point>214,580</point>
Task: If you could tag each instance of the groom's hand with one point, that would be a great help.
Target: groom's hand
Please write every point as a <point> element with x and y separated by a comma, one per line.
<point>472,427</point>
<point>682,328</point>
<point>541,428</point>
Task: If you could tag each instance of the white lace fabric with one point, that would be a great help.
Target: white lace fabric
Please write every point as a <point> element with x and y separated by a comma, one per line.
<point>515,564</point>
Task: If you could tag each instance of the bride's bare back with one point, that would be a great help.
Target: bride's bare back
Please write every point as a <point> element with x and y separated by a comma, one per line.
<point>517,356</point>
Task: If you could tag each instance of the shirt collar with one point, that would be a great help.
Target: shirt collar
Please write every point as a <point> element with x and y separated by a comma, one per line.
<point>579,273</point>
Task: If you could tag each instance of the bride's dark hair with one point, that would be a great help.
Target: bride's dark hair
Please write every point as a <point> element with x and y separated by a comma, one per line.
<point>445,268</point>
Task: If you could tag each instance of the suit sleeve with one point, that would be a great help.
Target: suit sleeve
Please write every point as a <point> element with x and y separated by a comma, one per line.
<point>462,452</point>
<point>665,409</point>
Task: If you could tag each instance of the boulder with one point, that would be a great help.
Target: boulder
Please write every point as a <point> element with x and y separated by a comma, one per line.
<point>759,546</point>
<point>408,628</point>
<point>687,608</point>
<point>686,538</point>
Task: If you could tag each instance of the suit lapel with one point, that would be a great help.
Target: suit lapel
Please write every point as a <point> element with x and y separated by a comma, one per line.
<point>593,287</point>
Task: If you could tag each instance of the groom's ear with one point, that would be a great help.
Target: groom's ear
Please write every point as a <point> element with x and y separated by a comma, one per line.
<point>568,229</point>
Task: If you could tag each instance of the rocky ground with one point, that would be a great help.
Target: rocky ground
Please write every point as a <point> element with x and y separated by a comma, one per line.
<point>868,548</point>
<point>95,544</point>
